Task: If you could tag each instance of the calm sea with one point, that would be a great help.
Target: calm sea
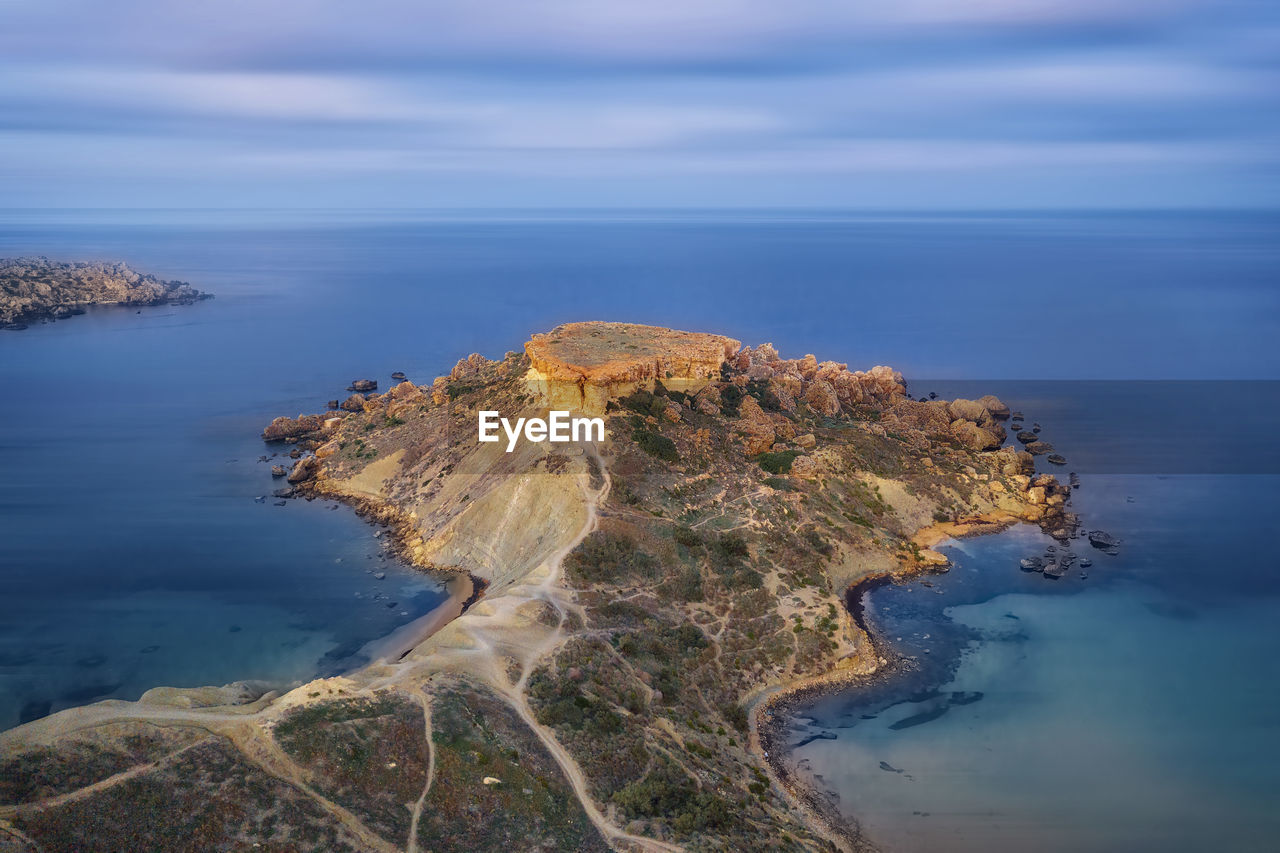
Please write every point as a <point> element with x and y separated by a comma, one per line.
<point>1128,710</point>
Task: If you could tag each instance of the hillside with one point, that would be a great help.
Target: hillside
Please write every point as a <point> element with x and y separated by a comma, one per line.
<point>636,606</point>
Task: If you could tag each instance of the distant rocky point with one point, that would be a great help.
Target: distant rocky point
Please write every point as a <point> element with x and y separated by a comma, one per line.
<point>38,289</point>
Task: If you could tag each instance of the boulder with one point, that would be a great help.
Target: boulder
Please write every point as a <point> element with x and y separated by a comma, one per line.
<point>1102,539</point>
<point>975,437</point>
<point>994,406</point>
<point>363,385</point>
<point>304,469</point>
<point>755,427</point>
<point>1039,448</point>
<point>1026,437</point>
<point>807,441</point>
<point>279,471</point>
<point>282,429</point>
<point>354,403</point>
<point>969,410</point>
<point>804,466</point>
<point>822,398</point>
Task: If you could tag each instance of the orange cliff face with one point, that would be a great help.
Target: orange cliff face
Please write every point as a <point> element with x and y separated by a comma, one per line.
<point>581,366</point>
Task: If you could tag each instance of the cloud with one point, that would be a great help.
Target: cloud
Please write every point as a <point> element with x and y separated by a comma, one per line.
<point>745,90</point>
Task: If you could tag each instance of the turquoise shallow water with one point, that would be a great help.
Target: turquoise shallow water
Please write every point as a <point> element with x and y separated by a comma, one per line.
<point>1132,710</point>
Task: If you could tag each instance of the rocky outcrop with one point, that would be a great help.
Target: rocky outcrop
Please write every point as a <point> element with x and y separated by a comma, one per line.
<point>283,429</point>
<point>581,366</point>
<point>35,289</point>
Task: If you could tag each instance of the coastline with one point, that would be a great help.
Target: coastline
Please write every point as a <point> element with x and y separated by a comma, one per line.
<point>769,711</point>
<point>394,646</point>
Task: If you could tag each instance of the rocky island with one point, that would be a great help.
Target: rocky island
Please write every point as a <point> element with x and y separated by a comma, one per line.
<point>35,290</point>
<point>630,615</point>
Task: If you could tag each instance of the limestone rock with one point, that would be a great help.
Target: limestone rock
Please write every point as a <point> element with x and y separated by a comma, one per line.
<point>581,366</point>
<point>282,429</point>
<point>822,398</point>
<point>804,466</point>
<point>995,406</point>
<point>975,437</point>
<point>304,469</point>
<point>757,430</point>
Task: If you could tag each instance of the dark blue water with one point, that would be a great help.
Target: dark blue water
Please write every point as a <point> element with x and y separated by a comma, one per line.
<point>132,552</point>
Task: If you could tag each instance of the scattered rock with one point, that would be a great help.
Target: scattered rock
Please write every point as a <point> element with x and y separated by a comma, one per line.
<point>1057,458</point>
<point>279,471</point>
<point>363,386</point>
<point>398,376</point>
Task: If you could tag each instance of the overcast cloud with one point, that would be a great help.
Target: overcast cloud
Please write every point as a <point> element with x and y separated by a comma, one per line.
<point>922,103</point>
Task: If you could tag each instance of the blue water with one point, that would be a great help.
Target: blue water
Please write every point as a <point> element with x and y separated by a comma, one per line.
<point>1131,709</point>
<point>132,552</point>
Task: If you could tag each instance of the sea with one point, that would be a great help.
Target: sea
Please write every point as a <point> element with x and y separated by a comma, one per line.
<point>1136,708</point>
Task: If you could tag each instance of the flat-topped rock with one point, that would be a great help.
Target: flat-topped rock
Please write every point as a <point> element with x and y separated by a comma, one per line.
<point>582,366</point>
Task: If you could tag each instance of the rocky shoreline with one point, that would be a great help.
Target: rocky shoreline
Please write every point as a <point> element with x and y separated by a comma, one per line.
<point>38,290</point>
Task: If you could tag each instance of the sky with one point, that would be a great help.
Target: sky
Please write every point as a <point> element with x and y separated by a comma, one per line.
<point>910,104</point>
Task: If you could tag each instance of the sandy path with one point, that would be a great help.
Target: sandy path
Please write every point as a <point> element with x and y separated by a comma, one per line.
<point>412,844</point>
<point>246,729</point>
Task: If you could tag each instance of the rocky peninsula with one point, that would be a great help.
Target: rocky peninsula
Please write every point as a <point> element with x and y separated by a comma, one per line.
<point>637,607</point>
<point>34,290</point>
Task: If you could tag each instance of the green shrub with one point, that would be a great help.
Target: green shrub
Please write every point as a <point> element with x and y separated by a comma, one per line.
<point>777,462</point>
<point>730,401</point>
<point>613,557</point>
<point>687,536</point>
<point>730,550</point>
<point>656,445</point>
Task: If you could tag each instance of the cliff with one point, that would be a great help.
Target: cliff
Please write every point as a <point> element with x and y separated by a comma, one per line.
<point>581,366</point>
<point>35,289</point>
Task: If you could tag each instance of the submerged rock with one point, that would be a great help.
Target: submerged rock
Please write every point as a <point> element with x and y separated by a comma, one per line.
<point>1102,539</point>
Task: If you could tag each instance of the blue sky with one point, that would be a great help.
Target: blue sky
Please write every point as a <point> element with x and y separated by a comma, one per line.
<point>706,103</point>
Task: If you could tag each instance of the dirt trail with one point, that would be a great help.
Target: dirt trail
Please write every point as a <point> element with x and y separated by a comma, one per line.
<point>493,640</point>
<point>260,747</point>
<point>553,592</point>
<point>411,846</point>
